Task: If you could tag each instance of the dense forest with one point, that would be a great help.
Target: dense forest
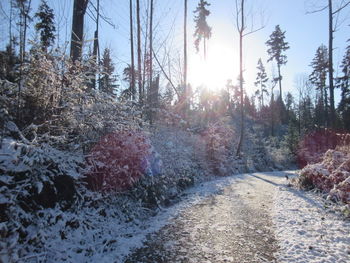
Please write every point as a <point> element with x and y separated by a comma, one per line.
<point>82,144</point>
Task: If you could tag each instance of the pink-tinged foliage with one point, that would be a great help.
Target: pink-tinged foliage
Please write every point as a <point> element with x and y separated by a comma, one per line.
<point>331,176</point>
<point>315,144</point>
<point>218,140</point>
<point>118,161</point>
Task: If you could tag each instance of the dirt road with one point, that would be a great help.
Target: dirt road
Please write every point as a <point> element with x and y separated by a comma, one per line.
<point>233,225</point>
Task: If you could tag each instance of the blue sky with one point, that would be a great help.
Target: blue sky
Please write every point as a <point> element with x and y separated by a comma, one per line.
<point>304,32</point>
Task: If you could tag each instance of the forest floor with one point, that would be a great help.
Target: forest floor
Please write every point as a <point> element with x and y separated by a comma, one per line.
<point>249,218</point>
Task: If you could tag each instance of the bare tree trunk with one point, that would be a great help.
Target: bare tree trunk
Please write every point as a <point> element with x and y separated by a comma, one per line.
<point>151,85</point>
<point>76,45</point>
<point>96,52</point>
<point>272,110</point>
<point>185,46</point>
<point>10,25</point>
<point>139,51</point>
<point>330,70</point>
<point>279,81</point>
<point>326,110</point>
<point>24,10</point>
<point>145,58</point>
<point>262,95</point>
<point>132,69</point>
<point>241,29</point>
<point>151,45</point>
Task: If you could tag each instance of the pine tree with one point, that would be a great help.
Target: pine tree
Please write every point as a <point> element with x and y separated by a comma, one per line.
<point>45,26</point>
<point>306,115</point>
<point>318,78</point>
<point>292,138</point>
<point>203,30</point>
<point>108,79</point>
<point>8,61</point>
<point>277,46</point>
<point>289,105</point>
<point>344,84</point>
<point>260,83</point>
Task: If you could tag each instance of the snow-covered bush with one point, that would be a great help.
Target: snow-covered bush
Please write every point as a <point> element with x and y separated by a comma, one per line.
<point>57,99</point>
<point>183,162</point>
<point>331,175</point>
<point>32,178</point>
<point>218,139</point>
<point>119,160</point>
<point>312,147</point>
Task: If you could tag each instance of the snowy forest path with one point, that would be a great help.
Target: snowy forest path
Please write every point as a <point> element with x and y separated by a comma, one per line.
<point>233,225</point>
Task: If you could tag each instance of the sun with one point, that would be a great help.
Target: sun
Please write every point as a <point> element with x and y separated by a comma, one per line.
<point>214,71</point>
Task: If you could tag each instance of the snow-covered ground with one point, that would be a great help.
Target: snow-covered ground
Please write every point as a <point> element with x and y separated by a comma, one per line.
<point>308,230</point>
<point>103,235</point>
<point>305,228</point>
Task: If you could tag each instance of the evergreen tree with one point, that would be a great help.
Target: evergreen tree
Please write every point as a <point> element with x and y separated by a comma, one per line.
<point>318,78</point>
<point>129,76</point>
<point>261,79</point>
<point>203,30</point>
<point>45,26</point>
<point>8,61</point>
<point>344,83</point>
<point>277,45</point>
<point>289,105</point>
<point>292,138</point>
<point>306,115</point>
<point>108,79</point>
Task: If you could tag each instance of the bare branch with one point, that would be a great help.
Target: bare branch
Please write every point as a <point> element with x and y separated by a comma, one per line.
<point>341,8</point>
<point>318,10</point>
<point>253,31</point>
<point>166,75</point>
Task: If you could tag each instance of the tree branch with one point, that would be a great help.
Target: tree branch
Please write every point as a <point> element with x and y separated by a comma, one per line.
<point>318,10</point>
<point>166,75</point>
<point>253,31</point>
<point>341,8</point>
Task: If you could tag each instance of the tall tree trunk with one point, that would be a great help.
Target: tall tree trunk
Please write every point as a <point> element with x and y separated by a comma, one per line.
<point>239,147</point>
<point>151,45</point>
<point>76,45</point>
<point>24,14</point>
<point>262,95</point>
<point>279,81</point>
<point>326,109</point>
<point>185,54</point>
<point>323,112</point>
<point>272,110</point>
<point>96,52</point>
<point>151,85</point>
<point>330,70</point>
<point>10,25</point>
<point>139,51</point>
<point>132,69</point>
<point>145,72</point>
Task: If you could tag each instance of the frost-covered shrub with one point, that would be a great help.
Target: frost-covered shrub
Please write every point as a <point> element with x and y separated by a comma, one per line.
<point>56,98</point>
<point>32,178</point>
<point>331,176</point>
<point>315,144</point>
<point>218,139</point>
<point>38,176</point>
<point>341,191</point>
<point>277,153</point>
<point>119,160</point>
